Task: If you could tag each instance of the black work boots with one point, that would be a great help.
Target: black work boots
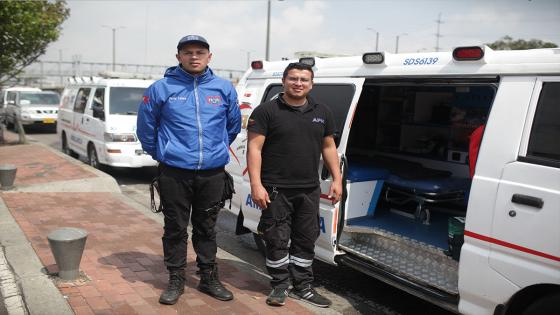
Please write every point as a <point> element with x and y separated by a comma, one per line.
<point>175,287</point>
<point>211,285</point>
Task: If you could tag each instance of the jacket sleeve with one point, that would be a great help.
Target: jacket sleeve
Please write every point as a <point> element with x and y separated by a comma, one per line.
<point>233,116</point>
<point>148,121</point>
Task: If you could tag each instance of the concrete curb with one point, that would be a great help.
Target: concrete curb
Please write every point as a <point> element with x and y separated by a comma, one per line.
<point>34,288</point>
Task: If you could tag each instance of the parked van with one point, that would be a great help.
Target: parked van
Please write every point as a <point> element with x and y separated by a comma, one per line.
<point>97,119</point>
<point>409,129</point>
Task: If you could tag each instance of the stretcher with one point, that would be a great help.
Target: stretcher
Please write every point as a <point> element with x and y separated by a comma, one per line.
<point>406,182</point>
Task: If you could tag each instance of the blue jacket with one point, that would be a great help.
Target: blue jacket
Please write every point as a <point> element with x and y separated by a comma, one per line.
<point>189,121</point>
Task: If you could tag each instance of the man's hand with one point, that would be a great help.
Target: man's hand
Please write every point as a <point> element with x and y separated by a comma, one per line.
<point>335,191</point>
<point>260,196</point>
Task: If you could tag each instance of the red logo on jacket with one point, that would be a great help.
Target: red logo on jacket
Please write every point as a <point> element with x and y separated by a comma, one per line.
<point>214,100</point>
<point>146,99</point>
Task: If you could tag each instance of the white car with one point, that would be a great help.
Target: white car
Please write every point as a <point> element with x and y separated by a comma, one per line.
<point>32,108</point>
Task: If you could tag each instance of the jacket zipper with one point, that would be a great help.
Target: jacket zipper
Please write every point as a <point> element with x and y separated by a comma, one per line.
<point>200,156</point>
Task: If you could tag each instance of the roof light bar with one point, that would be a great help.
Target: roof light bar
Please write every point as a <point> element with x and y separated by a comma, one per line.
<point>257,65</point>
<point>308,61</point>
<point>468,53</point>
<point>373,58</point>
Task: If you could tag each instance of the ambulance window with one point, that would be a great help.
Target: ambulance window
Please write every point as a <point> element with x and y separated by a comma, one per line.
<point>543,141</point>
<point>337,97</point>
<point>81,100</point>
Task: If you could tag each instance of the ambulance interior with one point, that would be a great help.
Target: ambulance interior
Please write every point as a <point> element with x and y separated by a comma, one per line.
<point>408,158</point>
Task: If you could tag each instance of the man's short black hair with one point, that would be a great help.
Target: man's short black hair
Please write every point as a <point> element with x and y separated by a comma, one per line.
<point>299,66</point>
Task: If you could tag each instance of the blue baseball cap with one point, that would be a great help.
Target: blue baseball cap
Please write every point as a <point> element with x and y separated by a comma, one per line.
<point>192,39</point>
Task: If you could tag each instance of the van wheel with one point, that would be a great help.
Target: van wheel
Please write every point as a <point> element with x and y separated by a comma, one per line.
<point>10,124</point>
<point>65,147</point>
<point>92,157</point>
<point>261,245</point>
<point>545,305</point>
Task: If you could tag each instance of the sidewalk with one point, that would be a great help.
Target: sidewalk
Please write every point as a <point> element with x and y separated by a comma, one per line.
<point>122,262</point>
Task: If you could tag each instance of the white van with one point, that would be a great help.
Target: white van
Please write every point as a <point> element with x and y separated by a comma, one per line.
<point>97,119</point>
<point>407,125</point>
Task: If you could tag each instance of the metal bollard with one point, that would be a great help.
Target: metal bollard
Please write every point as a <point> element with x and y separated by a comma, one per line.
<point>67,245</point>
<point>7,176</point>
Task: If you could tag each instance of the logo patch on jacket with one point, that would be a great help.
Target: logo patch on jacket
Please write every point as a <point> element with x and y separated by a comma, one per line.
<point>318,120</point>
<point>146,99</point>
<point>214,100</point>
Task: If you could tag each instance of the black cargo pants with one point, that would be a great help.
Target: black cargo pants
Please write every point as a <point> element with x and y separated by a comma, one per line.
<point>190,194</point>
<point>290,227</point>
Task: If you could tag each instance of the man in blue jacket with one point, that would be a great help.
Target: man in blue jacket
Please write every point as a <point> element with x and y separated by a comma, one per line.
<point>187,121</point>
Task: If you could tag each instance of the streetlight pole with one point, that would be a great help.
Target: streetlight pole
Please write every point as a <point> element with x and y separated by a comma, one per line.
<point>268,31</point>
<point>397,43</point>
<point>267,58</point>
<point>376,38</point>
<point>114,29</point>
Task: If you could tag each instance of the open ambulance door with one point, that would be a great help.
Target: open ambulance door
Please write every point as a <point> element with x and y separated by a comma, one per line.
<point>341,95</point>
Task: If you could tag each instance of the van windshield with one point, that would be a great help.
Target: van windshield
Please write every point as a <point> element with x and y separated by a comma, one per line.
<point>125,100</point>
<point>38,98</point>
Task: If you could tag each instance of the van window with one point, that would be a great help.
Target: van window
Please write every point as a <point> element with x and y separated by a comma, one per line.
<point>99,98</point>
<point>125,100</point>
<point>81,100</point>
<point>338,97</point>
<point>543,141</point>
<point>11,97</point>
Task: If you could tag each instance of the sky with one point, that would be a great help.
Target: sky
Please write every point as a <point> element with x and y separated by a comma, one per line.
<point>148,31</point>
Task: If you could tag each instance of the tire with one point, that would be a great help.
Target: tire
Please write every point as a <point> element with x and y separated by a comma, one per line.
<point>93,160</point>
<point>261,245</point>
<point>65,147</point>
<point>549,304</point>
<point>10,124</point>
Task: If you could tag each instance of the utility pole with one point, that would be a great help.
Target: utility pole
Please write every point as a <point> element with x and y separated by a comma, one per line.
<point>438,35</point>
<point>397,42</point>
<point>376,38</point>
<point>114,29</point>
<point>267,31</point>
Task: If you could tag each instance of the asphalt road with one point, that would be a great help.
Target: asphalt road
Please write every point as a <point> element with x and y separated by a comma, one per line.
<point>352,292</point>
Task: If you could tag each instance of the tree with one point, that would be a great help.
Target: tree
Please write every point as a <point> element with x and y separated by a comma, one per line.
<point>507,43</point>
<point>26,29</point>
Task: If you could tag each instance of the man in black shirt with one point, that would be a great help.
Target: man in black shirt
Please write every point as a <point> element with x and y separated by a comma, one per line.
<point>286,139</point>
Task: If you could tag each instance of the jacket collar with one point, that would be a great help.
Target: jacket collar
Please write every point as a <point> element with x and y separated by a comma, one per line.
<point>180,74</point>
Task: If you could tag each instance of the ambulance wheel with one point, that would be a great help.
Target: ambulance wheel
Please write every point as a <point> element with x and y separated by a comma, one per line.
<point>93,160</point>
<point>65,149</point>
<point>545,305</point>
<point>261,245</point>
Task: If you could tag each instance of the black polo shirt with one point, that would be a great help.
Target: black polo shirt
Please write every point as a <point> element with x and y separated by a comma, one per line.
<point>294,141</point>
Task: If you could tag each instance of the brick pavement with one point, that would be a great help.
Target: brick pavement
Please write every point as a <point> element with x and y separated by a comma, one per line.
<point>38,165</point>
<point>123,259</point>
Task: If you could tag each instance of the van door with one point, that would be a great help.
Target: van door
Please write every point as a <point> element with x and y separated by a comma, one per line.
<point>78,139</point>
<point>91,127</point>
<point>341,95</point>
<point>525,235</point>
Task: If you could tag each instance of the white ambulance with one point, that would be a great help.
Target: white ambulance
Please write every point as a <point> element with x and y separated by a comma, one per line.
<point>97,120</point>
<point>409,129</point>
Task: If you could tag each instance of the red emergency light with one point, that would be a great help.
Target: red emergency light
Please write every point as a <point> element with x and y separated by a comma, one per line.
<point>468,53</point>
<point>257,65</point>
